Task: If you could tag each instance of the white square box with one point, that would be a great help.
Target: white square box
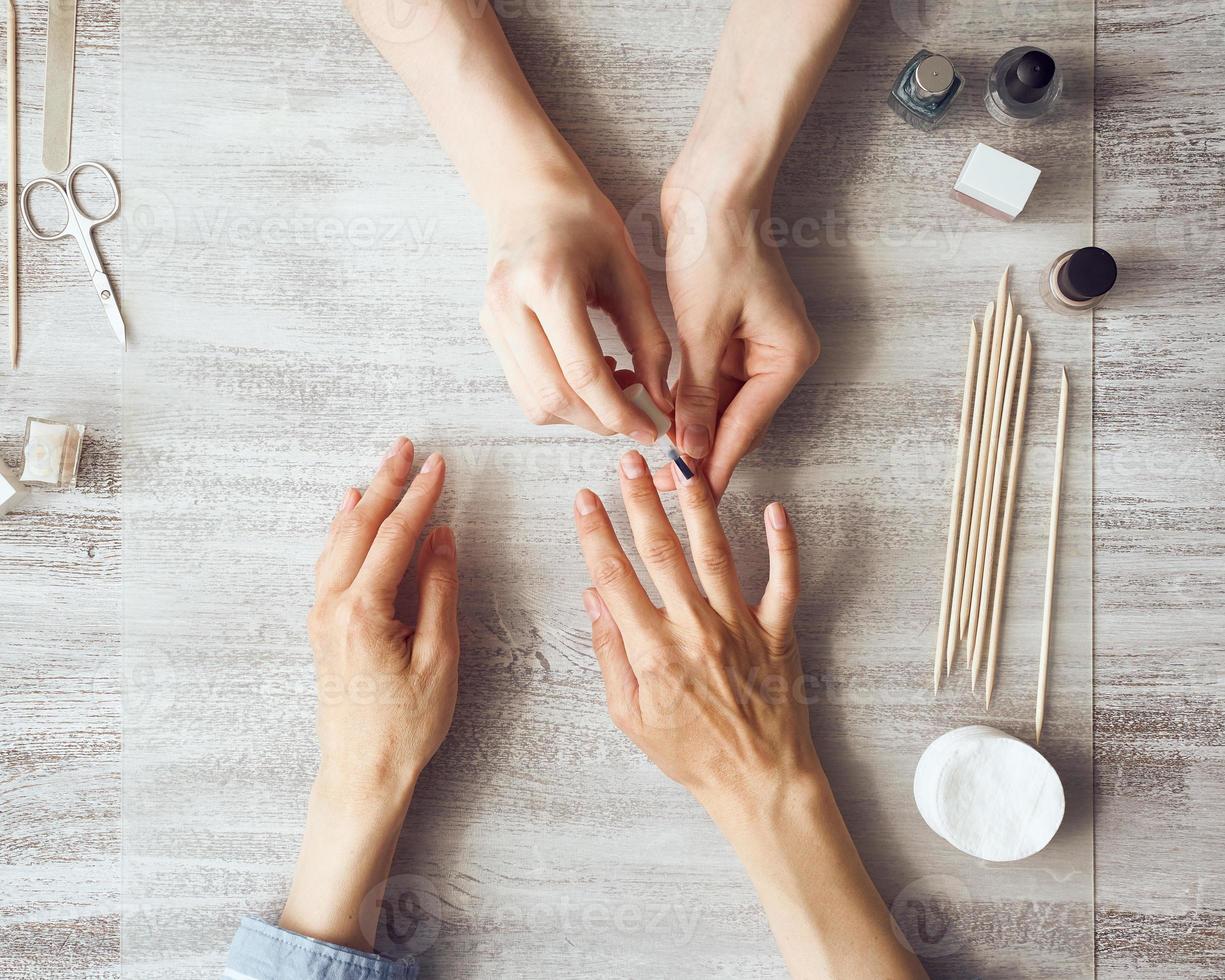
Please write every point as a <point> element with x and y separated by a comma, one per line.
<point>11,489</point>
<point>995,183</point>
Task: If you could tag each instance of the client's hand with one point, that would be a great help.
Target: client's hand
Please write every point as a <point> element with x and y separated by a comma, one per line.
<point>387,692</point>
<point>710,689</point>
<point>386,688</point>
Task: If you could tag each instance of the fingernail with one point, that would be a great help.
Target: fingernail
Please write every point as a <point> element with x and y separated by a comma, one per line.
<point>396,445</point>
<point>777,516</point>
<point>683,470</point>
<point>586,502</point>
<point>696,440</point>
<point>633,465</point>
<point>592,605</point>
<point>432,462</point>
<point>642,436</point>
<point>443,543</point>
<point>352,496</point>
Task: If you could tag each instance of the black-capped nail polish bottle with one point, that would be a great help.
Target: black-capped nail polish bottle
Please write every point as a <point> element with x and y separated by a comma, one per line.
<point>1024,86</point>
<point>925,89</point>
<point>1078,280</point>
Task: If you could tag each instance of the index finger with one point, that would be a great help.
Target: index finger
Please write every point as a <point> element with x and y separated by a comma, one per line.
<point>353,531</point>
<point>567,324</point>
<point>743,422</point>
<point>392,550</point>
<point>611,572</point>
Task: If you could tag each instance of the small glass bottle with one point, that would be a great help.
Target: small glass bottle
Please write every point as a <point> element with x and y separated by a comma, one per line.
<point>925,89</point>
<point>52,454</point>
<point>1078,280</point>
<point>1023,86</point>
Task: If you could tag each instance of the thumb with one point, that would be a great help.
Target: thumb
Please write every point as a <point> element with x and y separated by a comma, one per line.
<point>697,389</point>
<point>437,638</point>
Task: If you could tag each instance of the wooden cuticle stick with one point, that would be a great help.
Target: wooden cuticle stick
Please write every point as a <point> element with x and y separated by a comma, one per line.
<point>997,331</point>
<point>963,526</point>
<point>1010,499</point>
<point>973,584</point>
<point>950,549</point>
<point>982,590</point>
<point>14,323</point>
<point>1048,600</point>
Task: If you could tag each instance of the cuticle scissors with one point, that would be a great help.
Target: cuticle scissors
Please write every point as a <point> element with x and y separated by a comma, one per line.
<point>80,225</point>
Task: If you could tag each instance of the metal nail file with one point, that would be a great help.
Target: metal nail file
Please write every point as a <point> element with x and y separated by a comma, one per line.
<point>57,100</point>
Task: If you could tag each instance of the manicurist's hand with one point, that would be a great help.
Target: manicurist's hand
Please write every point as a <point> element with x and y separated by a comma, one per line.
<point>710,687</point>
<point>744,335</point>
<point>386,692</point>
<point>558,249</point>
<point>557,246</point>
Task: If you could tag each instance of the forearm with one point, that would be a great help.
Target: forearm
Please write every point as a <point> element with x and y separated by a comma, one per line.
<point>772,59</point>
<point>464,75</point>
<point>824,910</point>
<point>343,865</point>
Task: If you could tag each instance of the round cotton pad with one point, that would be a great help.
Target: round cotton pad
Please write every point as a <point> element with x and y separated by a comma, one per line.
<point>988,794</point>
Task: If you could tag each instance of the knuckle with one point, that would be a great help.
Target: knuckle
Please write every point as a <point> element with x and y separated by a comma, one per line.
<point>699,396</point>
<point>698,495</point>
<point>654,662</point>
<point>603,647</point>
<point>356,522</point>
<point>657,347</point>
<point>544,275</point>
<point>786,545</point>
<point>611,571</point>
<point>641,492</point>
<point>583,373</point>
<point>500,288</point>
<point>787,591</point>
<point>444,580</point>
<point>741,427</point>
<point>716,558</point>
<point>397,529</point>
<point>536,414</point>
<point>660,550</point>
<point>351,614</point>
<point>553,401</point>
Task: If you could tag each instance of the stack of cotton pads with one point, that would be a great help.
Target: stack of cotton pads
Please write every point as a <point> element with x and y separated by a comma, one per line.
<point>988,794</point>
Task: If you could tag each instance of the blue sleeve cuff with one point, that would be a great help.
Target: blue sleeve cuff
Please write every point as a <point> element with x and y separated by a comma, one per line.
<point>264,952</point>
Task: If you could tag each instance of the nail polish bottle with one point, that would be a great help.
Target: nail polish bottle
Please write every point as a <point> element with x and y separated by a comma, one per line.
<point>1078,280</point>
<point>1023,86</point>
<point>925,89</point>
<point>52,454</point>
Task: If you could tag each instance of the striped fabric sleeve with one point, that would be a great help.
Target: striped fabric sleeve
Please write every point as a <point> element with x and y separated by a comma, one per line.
<point>263,952</point>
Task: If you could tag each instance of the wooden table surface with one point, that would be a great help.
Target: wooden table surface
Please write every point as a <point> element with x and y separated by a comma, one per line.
<point>1160,450</point>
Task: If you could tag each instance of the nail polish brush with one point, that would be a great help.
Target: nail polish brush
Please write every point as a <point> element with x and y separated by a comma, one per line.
<point>637,394</point>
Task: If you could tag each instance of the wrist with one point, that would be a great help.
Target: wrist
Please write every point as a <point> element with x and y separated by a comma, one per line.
<point>378,792</point>
<point>731,161</point>
<point>767,808</point>
<point>551,175</point>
